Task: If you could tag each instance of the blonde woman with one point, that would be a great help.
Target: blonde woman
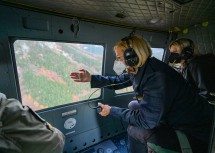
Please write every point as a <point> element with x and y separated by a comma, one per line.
<point>164,100</point>
<point>197,70</point>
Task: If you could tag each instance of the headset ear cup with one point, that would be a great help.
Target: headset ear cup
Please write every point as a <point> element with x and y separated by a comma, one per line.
<point>130,57</point>
<point>187,53</point>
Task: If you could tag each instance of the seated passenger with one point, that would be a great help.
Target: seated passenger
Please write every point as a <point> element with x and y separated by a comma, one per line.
<point>23,131</point>
<point>198,70</point>
<point>165,101</point>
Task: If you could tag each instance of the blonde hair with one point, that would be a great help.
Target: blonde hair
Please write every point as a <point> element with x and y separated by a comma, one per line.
<point>183,43</point>
<point>140,46</point>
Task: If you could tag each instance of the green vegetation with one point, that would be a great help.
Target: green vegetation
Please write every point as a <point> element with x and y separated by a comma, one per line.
<point>44,68</point>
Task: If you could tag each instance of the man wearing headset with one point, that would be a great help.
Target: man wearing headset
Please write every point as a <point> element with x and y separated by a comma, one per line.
<point>198,70</point>
<point>165,101</point>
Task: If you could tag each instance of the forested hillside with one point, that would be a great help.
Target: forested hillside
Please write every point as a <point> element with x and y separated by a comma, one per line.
<point>44,68</point>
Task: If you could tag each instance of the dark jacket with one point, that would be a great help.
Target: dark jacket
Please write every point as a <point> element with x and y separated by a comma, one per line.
<point>166,99</point>
<point>200,73</point>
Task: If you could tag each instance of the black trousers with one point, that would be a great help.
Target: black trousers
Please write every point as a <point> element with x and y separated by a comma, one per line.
<point>162,136</point>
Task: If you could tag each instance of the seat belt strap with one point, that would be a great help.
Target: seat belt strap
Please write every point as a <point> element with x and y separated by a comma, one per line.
<point>184,143</point>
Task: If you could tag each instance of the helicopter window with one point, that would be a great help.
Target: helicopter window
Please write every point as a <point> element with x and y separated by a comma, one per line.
<point>44,67</point>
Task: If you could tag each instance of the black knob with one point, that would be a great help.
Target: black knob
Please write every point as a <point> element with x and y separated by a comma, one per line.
<point>100,150</point>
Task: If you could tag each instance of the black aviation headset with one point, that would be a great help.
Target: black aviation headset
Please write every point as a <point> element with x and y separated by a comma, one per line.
<point>130,56</point>
<point>187,52</point>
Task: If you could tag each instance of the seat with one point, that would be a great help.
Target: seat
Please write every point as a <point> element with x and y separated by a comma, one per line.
<point>206,85</point>
<point>184,144</point>
<point>211,148</point>
<point>203,67</point>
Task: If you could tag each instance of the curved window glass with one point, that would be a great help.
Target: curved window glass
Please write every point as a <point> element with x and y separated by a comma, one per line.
<point>44,71</point>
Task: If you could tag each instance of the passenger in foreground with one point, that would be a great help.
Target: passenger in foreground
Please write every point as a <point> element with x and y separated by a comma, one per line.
<point>23,131</point>
<point>165,101</point>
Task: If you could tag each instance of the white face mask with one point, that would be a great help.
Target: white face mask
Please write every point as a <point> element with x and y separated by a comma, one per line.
<point>177,66</point>
<point>119,67</point>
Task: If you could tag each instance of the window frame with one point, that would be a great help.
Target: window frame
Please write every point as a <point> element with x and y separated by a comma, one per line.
<point>12,41</point>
